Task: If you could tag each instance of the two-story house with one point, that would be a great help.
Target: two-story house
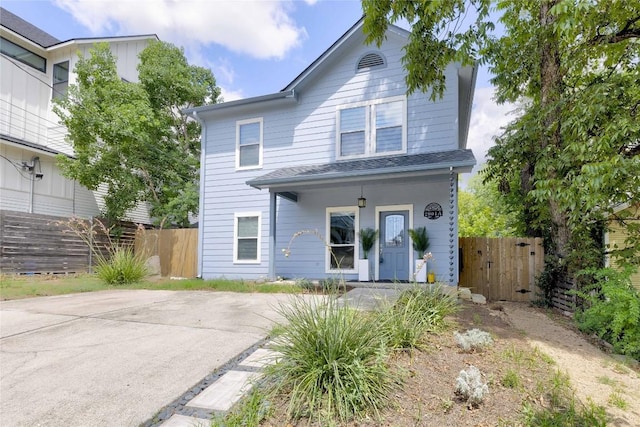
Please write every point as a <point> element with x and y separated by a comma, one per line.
<point>340,148</point>
<point>36,68</point>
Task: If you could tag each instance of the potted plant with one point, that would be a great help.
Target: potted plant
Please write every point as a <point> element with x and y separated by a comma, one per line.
<point>420,240</point>
<point>368,237</point>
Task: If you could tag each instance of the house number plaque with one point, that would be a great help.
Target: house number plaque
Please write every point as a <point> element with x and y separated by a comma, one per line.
<point>433,211</point>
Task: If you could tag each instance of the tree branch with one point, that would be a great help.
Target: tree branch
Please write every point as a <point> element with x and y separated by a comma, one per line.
<point>624,34</point>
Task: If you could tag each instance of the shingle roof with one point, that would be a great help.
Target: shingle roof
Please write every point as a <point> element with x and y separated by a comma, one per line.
<point>25,29</point>
<point>370,167</point>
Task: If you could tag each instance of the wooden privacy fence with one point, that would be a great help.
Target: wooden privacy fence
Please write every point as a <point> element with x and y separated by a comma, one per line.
<point>34,243</point>
<point>177,250</point>
<point>501,269</point>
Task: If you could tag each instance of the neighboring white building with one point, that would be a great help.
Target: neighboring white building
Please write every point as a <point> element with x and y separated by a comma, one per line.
<point>35,68</point>
<point>341,148</point>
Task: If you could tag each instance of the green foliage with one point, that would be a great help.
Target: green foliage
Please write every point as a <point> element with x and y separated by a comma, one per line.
<point>368,237</point>
<point>420,240</point>
<point>437,38</point>
<point>572,155</point>
<point>133,137</point>
<point>612,310</point>
<point>121,268</point>
<point>417,311</point>
<point>333,364</point>
<point>483,212</point>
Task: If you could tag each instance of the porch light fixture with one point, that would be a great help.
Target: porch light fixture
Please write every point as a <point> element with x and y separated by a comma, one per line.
<point>362,202</point>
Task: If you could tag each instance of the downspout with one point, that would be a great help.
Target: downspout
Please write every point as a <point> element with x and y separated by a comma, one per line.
<point>32,179</point>
<point>203,144</point>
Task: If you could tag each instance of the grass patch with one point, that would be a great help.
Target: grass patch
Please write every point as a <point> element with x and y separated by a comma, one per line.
<point>511,379</point>
<point>563,409</point>
<point>16,287</point>
<point>607,381</point>
<point>618,401</point>
<point>249,412</point>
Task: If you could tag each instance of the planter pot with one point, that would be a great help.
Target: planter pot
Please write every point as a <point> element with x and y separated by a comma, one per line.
<point>431,277</point>
<point>421,274</point>
<point>363,270</point>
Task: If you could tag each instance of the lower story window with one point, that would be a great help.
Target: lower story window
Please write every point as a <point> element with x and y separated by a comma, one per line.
<point>342,224</point>
<point>247,238</point>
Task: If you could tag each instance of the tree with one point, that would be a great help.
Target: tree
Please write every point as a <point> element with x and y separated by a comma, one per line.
<point>133,137</point>
<point>482,211</point>
<point>573,153</point>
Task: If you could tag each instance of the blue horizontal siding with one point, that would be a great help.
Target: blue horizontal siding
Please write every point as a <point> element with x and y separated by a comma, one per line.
<point>305,133</point>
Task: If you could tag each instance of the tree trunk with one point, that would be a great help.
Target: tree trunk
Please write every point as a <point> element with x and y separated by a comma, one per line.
<point>551,89</point>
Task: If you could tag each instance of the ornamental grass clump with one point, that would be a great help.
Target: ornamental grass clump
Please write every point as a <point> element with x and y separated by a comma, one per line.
<point>115,258</point>
<point>473,340</point>
<point>333,362</point>
<point>121,268</point>
<point>418,310</point>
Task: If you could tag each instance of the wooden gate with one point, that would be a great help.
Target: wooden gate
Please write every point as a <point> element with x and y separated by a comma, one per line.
<point>501,269</point>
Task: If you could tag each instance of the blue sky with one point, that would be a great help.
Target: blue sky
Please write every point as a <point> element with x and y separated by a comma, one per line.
<point>252,47</point>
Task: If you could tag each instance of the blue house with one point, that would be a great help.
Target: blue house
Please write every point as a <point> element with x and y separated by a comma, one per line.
<point>340,148</point>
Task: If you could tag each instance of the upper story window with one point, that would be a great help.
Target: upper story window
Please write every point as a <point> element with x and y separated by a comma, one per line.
<point>60,79</point>
<point>372,128</point>
<point>249,144</point>
<point>23,55</point>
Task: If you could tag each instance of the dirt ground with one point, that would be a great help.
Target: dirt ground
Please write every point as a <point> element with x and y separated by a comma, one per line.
<point>594,374</point>
<point>530,345</point>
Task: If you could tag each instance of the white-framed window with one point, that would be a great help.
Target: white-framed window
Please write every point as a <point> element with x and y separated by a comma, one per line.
<point>372,128</point>
<point>342,241</point>
<point>246,238</point>
<point>249,144</point>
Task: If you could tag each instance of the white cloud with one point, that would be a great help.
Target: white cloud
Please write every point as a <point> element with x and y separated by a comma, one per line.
<point>487,119</point>
<point>261,29</point>
<point>231,95</point>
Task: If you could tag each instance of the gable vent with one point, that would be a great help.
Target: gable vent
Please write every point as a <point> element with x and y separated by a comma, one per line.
<point>370,60</point>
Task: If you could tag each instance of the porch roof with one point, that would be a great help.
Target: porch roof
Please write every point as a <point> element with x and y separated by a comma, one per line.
<point>413,165</point>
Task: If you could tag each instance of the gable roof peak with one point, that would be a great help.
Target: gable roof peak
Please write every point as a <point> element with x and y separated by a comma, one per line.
<point>351,33</point>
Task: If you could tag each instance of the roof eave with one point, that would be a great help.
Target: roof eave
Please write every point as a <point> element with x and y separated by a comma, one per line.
<point>397,172</point>
<point>93,40</point>
<point>277,96</point>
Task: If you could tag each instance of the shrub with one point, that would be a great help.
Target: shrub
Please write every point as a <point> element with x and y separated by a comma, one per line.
<point>470,387</point>
<point>612,310</point>
<point>418,310</point>
<point>333,363</point>
<point>122,268</point>
<point>473,339</point>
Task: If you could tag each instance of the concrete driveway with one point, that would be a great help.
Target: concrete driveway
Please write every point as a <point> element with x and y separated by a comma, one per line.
<point>114,358</point>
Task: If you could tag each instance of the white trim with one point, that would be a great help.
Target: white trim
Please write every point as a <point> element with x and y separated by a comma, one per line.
<point>235,237</point>
<point>356,243</point>
<point>389,208</point>
<point>370,127</point>
<point>260,143</point>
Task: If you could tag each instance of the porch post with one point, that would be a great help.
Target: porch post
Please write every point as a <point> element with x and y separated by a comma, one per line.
<point>272,235</point>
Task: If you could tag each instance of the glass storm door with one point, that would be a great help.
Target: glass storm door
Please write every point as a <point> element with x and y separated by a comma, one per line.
<point>394,245</point>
